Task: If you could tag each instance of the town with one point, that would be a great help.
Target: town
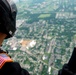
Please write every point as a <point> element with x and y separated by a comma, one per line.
<point>45,36</point>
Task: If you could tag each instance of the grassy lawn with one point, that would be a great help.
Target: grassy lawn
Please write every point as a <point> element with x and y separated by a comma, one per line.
<point>44,15</point>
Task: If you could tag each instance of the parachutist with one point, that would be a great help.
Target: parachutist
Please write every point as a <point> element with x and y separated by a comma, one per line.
<point>8,12</point>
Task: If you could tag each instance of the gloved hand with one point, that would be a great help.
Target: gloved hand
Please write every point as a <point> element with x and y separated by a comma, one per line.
<point>70,67</point>
<point>65,71</point>
<point>72,61</point>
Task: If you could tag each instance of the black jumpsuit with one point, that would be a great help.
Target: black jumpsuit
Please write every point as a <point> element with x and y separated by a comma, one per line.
<point>12,68</point>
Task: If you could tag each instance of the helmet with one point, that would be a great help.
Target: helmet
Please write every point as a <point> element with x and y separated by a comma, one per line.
<point>8,11</point>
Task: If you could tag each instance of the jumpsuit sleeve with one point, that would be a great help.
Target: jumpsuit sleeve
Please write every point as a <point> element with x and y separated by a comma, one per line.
<point>13,68</point>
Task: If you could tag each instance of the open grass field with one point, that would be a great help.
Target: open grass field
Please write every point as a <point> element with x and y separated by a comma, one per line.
<point>44,15</point>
